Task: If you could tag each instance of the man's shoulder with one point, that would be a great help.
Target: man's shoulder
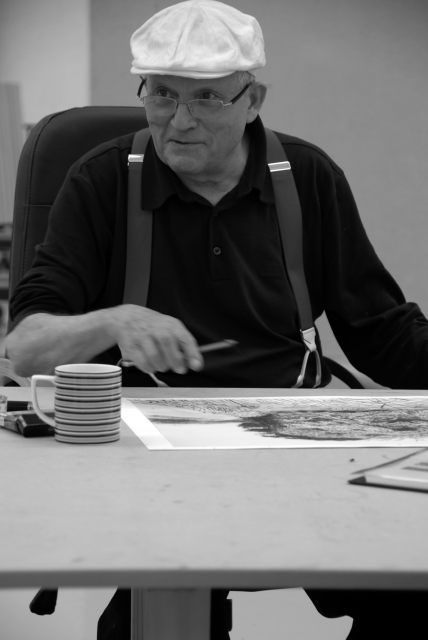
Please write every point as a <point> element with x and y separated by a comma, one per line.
<point>303,154</point>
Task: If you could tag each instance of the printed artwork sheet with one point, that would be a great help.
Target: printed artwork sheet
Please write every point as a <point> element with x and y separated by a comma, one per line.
<point>278,422</point>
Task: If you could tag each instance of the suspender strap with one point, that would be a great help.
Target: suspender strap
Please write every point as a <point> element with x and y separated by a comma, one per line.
<point>139,228</point>
<point>290,225</point>
<point>139,237</point>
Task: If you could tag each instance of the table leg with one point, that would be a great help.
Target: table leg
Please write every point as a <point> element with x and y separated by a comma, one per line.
<point>170,614</point>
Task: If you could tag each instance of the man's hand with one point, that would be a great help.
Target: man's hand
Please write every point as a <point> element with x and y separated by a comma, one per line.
<point>153,341</point>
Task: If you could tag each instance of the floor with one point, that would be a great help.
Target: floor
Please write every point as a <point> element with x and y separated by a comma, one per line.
<point>282,615</point>
<point>269,615</point>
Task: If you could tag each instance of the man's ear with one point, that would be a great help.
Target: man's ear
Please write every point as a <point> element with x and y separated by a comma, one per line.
<point>257,95</point>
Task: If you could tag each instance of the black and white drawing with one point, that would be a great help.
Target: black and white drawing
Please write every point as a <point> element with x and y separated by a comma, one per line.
<point>279,422</point>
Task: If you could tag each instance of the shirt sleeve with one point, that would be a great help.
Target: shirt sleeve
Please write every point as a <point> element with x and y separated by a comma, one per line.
<point>383,336</point>
<point>73,264</point>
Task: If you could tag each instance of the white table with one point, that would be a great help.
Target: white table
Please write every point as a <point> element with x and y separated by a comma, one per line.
<point>174,524</point>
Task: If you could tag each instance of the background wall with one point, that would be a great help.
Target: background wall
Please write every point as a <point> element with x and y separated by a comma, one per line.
<point>44,47</point>
<point>347,75</point>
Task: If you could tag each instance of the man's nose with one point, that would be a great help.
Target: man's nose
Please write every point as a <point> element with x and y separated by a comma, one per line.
<point>183,118</point>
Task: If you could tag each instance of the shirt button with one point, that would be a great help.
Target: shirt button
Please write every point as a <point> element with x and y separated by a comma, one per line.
<point>216,251</point>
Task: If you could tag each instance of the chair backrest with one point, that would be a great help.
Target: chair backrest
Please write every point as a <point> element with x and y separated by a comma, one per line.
<point>53,145</point>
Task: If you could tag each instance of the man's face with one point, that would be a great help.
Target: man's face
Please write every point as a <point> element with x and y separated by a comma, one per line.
<point>197,148</point>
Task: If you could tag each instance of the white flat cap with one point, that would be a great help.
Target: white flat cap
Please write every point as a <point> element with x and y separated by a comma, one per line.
<point>198,39</point>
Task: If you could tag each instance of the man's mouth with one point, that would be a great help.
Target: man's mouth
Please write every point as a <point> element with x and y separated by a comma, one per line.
<point>182,142</point>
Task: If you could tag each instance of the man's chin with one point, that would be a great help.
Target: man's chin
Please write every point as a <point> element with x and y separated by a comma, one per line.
<point>183,163</point>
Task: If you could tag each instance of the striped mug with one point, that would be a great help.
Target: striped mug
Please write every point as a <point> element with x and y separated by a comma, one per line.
<point>87,402</point>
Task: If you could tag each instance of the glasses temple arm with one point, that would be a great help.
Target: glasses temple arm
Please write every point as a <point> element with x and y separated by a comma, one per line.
<point>140,88</point>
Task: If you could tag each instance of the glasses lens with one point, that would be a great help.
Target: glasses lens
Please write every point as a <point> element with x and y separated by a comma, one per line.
<point>159,106</point>
<point>165,107</point>
<point>206,109</point>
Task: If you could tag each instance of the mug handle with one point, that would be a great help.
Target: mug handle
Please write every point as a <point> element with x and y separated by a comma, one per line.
<point>34,400</point>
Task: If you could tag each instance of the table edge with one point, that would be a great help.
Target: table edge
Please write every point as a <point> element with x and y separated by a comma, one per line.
<point>233,580</point>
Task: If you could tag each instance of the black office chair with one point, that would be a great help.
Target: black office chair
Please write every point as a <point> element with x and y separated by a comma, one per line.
<point>342,373</point>
<point>53,145</point>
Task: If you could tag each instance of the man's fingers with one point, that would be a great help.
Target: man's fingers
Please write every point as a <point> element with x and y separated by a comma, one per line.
<point>158,354</point>
<point>170,348</point>
<point>167,353</point>
<point>158,343</point>
<point>180,350</point>
<point>191,353</point>
<point>141,355</point>
<point>154,356</point>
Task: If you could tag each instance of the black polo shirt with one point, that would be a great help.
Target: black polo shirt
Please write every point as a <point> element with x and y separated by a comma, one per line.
<point>219,269</point>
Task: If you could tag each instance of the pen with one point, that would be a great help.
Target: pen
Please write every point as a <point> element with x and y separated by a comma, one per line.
<point>212,346</point>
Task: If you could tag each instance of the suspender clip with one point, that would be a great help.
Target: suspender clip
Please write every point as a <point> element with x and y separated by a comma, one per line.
<point>135,157</point>
<point>308,339</point>
<point>279,166</point>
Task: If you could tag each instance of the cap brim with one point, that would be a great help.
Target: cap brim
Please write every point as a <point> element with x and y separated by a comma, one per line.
<point>188,73</point>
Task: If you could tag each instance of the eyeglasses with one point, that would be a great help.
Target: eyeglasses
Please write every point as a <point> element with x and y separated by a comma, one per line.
<point>161,107</point>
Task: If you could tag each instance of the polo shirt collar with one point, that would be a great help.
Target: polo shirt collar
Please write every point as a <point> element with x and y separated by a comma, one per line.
<point>164,183</point>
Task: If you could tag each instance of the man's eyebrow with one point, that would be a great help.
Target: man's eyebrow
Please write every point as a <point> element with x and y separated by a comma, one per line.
<point>220,91</point>
<point>156,85</point>
<point>200,90</point>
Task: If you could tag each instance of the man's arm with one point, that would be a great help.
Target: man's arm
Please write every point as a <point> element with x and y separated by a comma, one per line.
<point>153,341</point>
<point>383,336</point>
<point>77,279</point>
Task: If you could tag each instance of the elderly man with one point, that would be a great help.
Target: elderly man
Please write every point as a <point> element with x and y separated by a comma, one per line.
<point>217,268</point>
